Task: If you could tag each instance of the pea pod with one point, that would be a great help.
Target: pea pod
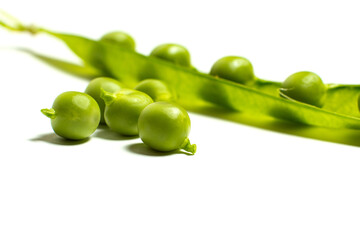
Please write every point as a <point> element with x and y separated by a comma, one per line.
<point>193,88</point>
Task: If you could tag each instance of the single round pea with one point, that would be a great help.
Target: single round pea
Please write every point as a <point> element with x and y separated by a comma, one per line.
<point>122,110</point>
<point>165,126</point>
<point>237,69</point>
<point>156,89</point>
<point>120,38</point>
<point>306,87</point>
<point>74,115</point>
<point>172,52</point>
<point>94,90</point>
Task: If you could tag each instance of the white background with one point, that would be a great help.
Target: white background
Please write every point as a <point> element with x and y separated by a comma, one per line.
<point>247,181</point>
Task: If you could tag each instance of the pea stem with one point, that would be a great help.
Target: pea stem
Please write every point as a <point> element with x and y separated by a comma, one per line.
<point>187,146</point>
<point>12,23</point>
<point>50,113</point>
<point>107,96</point>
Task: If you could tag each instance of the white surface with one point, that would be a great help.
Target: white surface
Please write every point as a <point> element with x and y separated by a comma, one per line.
<point>244,182</point>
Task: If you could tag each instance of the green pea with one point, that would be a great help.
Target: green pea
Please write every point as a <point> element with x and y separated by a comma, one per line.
<point>237,69</point>
<point>165,126</point>
<point>120,38</point>
<point>74,115</point>
<point>122,110</point>
<point>306,87</point>
<point>156,89</point>
<point>174,53</point>
<point>94,90</point>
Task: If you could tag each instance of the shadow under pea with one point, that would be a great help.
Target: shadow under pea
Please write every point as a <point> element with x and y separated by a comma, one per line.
<point>287,125</point>
<point>104,132</point>
<point>57,140</point>
<point>143,149</point>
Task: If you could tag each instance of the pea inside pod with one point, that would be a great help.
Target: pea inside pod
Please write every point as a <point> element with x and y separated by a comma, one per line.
<point>165,126</point>
<point>237,69</point>
<point>119,38</point>
<point>175,53</point>
<point>306,87</point>
<point>156,89</point>
<point>122,110</point>
<point>74,115</point>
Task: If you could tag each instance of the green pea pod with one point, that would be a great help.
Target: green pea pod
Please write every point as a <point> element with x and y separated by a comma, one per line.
<point>194,88</point>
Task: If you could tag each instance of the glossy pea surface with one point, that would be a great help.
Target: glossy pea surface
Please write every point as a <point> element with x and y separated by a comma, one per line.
<point>174,53</point>
<point>237,69</point>
<point>122,110</point>
<point>306,87</point>
<point>164,126</point>
<point>156,89</point>
<point>74,115</point>
<point>120,38</point>
<point>94,90</point>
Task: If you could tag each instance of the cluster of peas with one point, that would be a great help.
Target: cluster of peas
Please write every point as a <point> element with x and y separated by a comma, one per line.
<point>148,110</point>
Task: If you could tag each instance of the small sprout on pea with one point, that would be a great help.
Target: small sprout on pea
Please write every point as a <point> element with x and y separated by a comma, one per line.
<point>49,112</point>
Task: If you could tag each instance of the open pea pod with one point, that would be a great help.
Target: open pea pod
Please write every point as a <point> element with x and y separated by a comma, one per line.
<point>194,88</point>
